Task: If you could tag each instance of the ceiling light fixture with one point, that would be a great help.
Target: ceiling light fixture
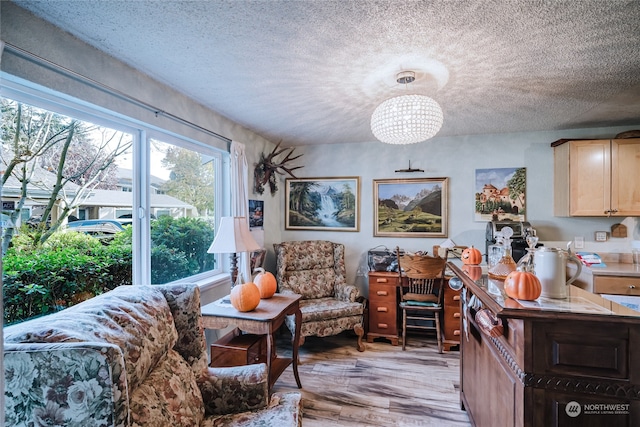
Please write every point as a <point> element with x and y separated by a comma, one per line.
<point>406,119</point>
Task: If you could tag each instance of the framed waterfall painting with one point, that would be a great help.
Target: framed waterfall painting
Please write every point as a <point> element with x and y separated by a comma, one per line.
<point>410,207</point>
<point>323,204</point>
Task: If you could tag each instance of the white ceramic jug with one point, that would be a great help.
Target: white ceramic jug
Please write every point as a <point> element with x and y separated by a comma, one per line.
<point>550,267</point>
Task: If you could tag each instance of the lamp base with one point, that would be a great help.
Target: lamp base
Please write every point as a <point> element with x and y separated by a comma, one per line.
<point>234,269</point>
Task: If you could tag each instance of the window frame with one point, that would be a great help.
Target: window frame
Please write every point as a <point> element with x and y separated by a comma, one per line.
<point>30,93</point>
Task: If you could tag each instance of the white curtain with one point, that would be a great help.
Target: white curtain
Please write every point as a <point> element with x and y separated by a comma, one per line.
<point>240,196</point>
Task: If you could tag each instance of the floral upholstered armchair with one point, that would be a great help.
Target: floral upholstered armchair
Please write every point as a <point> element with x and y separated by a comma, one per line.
<point>316,270</point>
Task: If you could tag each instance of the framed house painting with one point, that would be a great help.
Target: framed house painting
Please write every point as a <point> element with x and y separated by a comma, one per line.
<point>410,207</point>
<point>324,204</point>
<point>256,214</point>
<point>500,194</point>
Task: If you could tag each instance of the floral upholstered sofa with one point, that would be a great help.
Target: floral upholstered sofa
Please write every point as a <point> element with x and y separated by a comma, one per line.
<point>135,356</point>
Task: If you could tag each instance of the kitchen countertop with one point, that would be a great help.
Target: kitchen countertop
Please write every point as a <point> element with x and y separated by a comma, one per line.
<point>614,269</point>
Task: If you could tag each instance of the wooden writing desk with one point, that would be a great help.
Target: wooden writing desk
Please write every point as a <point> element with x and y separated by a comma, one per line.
<point>264,320</point>
<point>384,320</point>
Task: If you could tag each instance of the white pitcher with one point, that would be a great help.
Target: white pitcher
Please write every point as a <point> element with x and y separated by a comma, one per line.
<point>550,267</point>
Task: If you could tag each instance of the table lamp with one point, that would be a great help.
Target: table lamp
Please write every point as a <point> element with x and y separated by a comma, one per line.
<point>233,237</point>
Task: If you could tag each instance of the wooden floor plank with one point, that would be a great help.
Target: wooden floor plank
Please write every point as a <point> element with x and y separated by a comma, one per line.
<point>382,386</point>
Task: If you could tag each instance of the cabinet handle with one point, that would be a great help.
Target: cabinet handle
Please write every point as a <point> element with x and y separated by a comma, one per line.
<point>456,297</point>
<point>382,293</point>
<point>378,280</point>
<point>632,286</point>
<point>456,332</point>
<point>456,315</point>
<point>383,325</point>
<point>383,309</point>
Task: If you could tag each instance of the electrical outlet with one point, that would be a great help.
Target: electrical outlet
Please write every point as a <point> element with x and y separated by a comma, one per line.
<point>602,236</point>
<point>578,242</point>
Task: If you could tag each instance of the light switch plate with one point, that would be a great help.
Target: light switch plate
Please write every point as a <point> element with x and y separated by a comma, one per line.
<point>578,242</point>
<point>602,236</point>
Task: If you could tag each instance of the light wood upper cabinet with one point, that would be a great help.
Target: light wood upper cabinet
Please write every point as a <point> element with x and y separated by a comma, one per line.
<point>597,177</point>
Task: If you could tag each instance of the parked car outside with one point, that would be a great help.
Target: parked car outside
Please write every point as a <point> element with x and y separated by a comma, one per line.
<point>98,228</point>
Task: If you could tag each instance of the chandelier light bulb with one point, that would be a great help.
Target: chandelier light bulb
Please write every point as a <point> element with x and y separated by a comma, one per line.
<point>406,119</point>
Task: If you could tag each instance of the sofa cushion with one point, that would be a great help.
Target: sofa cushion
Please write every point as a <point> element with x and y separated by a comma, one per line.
<point>79,384</point>
<point>184,302</point>
<point>169,396</point>
<point>328,308</point>
<point>284,410</point>
<point>135,318</point>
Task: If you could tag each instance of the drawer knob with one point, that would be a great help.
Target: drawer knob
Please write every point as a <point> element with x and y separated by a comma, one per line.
<point>456,315</point>
<point>632,286</point>
<point>383,325</point>
<point>383,309</point>
<point>381,280</point>
<point>382,293</point>
<point>456,332</point>
<point>456,297</point>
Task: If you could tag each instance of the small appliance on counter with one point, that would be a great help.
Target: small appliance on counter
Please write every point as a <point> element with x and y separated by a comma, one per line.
<point>521,229</point>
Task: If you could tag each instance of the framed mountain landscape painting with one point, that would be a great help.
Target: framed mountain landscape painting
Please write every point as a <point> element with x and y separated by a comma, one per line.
<point>323,204</point>
<point>410,207</point>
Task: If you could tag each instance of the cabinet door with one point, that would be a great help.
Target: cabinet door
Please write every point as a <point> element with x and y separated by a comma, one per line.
<point>491,395</point>
<point>625,177</point>
<point>590,178</point>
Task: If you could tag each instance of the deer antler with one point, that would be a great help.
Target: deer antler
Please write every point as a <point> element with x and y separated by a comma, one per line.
<point>267,167</point>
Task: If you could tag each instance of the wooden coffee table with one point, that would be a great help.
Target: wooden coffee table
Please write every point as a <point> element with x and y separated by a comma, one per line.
<point>265,320</point>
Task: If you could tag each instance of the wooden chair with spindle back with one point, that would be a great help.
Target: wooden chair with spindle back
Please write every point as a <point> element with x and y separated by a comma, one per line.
<point>422,294</point>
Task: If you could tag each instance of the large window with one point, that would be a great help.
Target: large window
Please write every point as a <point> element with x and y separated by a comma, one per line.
<point>92,201</point>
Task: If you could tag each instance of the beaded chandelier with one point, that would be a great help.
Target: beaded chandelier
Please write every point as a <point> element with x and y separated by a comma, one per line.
<point>406,119</point>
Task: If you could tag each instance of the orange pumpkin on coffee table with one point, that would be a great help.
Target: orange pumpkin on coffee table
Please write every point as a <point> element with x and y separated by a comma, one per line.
<point>245,297</point>
<point>266,283</point>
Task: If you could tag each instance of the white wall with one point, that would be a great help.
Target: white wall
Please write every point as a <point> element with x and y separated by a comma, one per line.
<point>456,158</point>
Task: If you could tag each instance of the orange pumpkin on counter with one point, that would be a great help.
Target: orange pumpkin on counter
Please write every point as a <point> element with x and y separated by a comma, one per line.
<point>522,285</point>
<point>266,283</point>
<point>245,297</point>
<point>471,256</point>
<point>473,271</point>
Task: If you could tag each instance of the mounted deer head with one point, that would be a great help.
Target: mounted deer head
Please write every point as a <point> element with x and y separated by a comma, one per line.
<point>266,169</point>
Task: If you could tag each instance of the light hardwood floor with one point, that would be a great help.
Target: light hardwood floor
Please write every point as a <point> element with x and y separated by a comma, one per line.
<point>382,386</point>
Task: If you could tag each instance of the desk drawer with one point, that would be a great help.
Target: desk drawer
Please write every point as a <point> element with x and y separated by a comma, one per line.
<point>391,280</point>
<point>617,285</point>
<point>382,293</point>
<point>383,322</point>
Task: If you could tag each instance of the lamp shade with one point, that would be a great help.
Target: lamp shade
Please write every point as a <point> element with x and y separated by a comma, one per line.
<point>406,119</point>
<point>233,236</point>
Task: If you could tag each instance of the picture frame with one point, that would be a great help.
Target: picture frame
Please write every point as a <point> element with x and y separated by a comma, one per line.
<point>500,194</point>
<point>322,204</point>
<point>415,207</point>
<point>256,214</point>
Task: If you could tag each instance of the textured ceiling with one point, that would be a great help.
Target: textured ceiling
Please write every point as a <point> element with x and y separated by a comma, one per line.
<point>308,72</point>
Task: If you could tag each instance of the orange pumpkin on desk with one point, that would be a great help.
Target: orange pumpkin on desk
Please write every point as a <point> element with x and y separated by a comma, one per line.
<point>471,256</point>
